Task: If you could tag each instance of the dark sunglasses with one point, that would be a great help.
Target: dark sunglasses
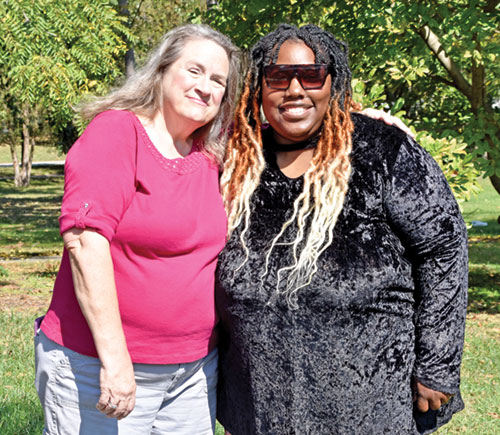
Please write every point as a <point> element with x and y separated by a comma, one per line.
<point>310,76</point>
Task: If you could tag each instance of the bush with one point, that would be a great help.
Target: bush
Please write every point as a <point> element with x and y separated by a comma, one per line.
<point>456,163</point>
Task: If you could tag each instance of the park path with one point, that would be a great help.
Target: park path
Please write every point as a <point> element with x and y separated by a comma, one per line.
<point>36,258</point>
<point>42,164</point>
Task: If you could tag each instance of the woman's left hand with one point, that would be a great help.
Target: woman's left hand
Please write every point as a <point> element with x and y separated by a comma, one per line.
<point>427,398</point>
<point>388,119</point>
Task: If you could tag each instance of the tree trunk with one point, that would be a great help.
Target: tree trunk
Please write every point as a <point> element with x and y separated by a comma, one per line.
<point>475,92</point>
<point>129,55</point>
<point>478,100</point>
<point>211,4</point>
<point>433,42</point>
<point>129,61</point>
<point>495,181</point>
<point>15,163</point>
<point>24,176</point>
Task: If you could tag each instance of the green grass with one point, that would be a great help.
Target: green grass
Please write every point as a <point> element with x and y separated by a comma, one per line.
<point>484,276</point>
<point>28,228</point>
<point>42,154</point>
<point>28,218</point>
<point>480,367</point>
<point>484,250</point>
<point>484,207</point>
<point>20,411</point>
<point>27,284</point>
<point>480,379</point>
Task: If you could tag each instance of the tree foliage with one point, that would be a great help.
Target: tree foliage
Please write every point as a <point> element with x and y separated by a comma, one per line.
<point>51,53</point>
<point>436,63</point>
<point>55,52</point>
<point>150,19</point>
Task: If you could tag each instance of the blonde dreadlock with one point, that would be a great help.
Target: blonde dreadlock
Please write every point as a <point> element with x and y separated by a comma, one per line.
<point>316,209</point>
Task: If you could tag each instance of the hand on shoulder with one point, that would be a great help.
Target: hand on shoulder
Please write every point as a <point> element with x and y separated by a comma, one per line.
<point>388,119</point>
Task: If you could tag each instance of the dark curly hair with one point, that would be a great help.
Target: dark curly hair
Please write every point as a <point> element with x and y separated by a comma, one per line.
<point>326,48</point>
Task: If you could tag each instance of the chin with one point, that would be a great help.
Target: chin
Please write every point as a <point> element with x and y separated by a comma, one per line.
<point>200,118</point>
<point>298,136</point>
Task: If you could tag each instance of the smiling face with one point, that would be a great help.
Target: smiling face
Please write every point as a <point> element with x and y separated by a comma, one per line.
<point>194,85</point>
<point>295,114</point>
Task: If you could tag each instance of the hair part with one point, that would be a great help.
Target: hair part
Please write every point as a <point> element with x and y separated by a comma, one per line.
<point>142,91</point>
<point>316,209</point>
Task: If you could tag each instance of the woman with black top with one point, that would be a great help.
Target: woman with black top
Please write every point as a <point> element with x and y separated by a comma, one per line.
<point>342,289</point>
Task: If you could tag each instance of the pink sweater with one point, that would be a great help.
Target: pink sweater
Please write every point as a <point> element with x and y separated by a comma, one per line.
<point>166,225</point>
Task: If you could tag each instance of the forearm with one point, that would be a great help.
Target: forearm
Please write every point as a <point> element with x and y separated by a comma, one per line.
<point>441,292</point>
<point>425,215</point>
<point>93,278</point>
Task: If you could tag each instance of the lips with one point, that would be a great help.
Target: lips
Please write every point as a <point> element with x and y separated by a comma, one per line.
<point>198,101</point>
<point>294,111</point>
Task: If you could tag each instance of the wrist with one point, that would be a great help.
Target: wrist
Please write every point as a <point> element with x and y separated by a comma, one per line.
<point>113,353</point>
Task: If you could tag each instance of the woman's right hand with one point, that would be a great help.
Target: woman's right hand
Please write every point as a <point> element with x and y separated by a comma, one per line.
<point>117,389</point>
<point>426,398</point>
<point>93,279</point>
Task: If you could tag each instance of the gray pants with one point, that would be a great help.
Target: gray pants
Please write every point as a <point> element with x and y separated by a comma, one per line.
<point>174,399</point>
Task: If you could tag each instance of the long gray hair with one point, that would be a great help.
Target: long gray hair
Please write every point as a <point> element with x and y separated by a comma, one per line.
<point>142,92</point>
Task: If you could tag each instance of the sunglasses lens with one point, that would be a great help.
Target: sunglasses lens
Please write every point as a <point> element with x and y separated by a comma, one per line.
<point>277,77</point>
<point>310,76</point>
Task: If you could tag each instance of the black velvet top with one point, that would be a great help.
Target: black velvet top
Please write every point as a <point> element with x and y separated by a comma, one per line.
<point>387,303</point>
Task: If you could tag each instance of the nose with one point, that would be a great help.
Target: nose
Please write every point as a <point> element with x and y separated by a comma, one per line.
<point>203,85</point>
<point>295,88</point>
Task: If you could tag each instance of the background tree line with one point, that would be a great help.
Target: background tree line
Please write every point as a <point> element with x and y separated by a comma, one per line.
<point>53,53</point>
<point>434,63</point>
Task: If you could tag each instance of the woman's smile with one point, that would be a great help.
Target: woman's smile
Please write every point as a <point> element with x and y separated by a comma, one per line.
<point>294,111</point>
<point>198,100</point>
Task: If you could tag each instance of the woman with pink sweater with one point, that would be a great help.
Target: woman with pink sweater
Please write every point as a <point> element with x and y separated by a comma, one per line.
<point>130,329</point>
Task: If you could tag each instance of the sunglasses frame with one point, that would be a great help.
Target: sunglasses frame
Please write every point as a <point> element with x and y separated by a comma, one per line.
<point>295,72</point>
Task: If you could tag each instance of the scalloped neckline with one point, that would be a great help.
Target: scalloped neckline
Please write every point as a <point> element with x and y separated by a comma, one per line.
<point>179,165</point>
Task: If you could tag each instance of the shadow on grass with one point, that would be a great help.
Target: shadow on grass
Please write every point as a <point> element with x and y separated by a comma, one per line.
<point>484,276</point>
<point>485,251</point>
<point>28,216</point>
<point>48,273</point>
<point>484,292</point>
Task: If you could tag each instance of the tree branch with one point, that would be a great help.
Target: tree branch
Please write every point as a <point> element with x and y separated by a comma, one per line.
<point>491,6</point>
<point>432,41</point>
<point>441,79</point>
<point>478,73</point>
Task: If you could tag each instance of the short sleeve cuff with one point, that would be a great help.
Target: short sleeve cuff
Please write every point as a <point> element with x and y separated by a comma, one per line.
<point>83,219</point>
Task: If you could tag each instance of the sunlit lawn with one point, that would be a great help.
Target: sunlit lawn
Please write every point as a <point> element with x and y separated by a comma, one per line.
<point>41,154</point>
